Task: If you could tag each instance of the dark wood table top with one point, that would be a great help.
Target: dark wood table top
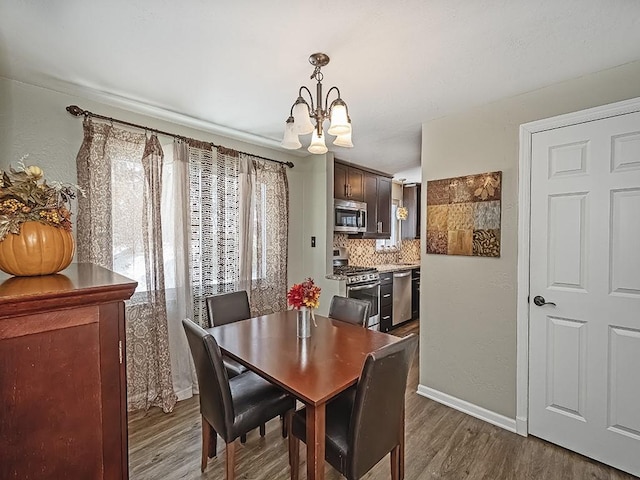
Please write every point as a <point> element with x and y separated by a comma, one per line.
<point>313,369</point>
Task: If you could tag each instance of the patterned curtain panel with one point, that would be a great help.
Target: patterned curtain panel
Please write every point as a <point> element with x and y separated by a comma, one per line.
<point>119,227</point>
<point>239,229</point>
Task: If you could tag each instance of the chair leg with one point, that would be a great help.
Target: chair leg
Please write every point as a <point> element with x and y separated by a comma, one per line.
<point>262,430</point>
<point>395,463</point>
<point>209,443</point>
<point>401,451</point>
<point>243,438</point>
<point>230,461</point>
<point>283,419</point>
<point>294,449</point>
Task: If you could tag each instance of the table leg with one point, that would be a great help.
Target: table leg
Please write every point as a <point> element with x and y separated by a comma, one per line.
<point>401,453</point>
<point>315,441</point>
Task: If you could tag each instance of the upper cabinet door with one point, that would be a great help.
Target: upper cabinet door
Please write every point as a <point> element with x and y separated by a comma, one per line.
<point>411,200</point>
<point>355,180</point>
<point>340,183</point>
<point>348,183</point>
<point>371,198</point>
<point>384,207</point>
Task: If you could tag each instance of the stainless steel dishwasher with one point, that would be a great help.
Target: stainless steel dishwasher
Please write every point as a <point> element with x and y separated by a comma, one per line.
<point>401,297</point>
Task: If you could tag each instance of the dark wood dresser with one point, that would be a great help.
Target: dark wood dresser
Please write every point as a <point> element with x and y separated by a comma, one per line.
<point>63,409</point>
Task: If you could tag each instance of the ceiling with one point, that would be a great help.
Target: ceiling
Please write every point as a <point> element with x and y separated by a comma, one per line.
<point>236,66</point>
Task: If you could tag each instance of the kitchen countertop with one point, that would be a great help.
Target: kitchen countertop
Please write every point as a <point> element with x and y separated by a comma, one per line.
<point>389,267</point>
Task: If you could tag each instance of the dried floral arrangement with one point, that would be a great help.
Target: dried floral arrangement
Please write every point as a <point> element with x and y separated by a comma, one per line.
<point>305,294</point>
<point>25,196</point>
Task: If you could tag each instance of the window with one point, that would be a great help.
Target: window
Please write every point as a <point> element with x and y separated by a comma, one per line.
<point>392,244</point>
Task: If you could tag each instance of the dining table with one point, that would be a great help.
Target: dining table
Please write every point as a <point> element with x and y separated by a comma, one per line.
<point>313,370</point>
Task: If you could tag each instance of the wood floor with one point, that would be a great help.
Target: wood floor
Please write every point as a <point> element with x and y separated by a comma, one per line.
<point>442,444</point>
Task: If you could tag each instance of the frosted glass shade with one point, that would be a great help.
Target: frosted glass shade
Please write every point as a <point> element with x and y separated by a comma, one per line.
<point>302,123</point>
<point>343,140</point>
<point>317,144</point>
<point>339,120</point>
<point>290,139</point>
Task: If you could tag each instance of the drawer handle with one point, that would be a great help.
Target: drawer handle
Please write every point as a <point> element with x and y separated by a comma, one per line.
<point>386,295</point>
<point>386,317</point>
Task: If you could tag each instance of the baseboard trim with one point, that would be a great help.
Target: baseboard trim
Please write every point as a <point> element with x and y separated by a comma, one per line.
<point>469,408</point>
<point>522,426</point>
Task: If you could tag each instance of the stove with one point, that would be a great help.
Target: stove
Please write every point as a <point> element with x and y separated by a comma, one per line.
<point>357,275</point>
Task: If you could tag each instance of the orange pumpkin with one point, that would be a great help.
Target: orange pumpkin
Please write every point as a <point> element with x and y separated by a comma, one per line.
<point>38,249</point>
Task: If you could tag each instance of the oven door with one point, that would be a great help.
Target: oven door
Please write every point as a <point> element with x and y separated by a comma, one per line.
<point>369,292</point>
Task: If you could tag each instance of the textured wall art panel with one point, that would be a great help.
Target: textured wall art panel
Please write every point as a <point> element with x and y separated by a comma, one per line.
<point>463,215</point>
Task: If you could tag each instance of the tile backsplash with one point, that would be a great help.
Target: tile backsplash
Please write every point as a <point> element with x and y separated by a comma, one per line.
<point>363,252</point>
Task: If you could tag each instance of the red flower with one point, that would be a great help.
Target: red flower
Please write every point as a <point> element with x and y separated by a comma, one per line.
<point>305,294</point>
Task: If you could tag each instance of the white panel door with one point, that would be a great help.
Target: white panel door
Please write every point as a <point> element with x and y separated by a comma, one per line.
<point>584,358</point>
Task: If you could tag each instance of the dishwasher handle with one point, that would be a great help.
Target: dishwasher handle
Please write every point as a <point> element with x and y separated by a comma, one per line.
<point>400,275</point>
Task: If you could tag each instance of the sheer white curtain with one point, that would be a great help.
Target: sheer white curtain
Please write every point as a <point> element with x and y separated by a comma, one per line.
<point>176,239</point>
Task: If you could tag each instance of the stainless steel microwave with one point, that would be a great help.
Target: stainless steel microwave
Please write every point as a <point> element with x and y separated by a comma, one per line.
<point>349,216</point>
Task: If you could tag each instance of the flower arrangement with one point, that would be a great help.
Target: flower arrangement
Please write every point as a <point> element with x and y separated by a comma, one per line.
<point>26,196</point>
<point>305,294</point>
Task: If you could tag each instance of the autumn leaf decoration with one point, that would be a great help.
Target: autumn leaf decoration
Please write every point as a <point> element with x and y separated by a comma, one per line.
<point>488,188</point>
<point>26,196</point>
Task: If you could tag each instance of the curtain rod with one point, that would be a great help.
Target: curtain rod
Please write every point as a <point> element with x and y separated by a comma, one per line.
<point>77,112</point>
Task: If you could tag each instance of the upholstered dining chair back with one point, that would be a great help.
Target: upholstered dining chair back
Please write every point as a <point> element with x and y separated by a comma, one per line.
<point>349,310</point>
<point>363,427</point>
<point>216,404</point>
<point>228,307</point>
<point>230,407</point>
<point>377,420</point>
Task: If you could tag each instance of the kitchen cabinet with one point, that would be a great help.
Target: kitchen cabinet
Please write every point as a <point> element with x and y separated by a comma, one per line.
<point>415,293</point>
<point>386,301</point>
<point>377,195</point>
<point>371,187</point>
<point>348,182</point>
<point>411,200</point>
<point>63,376</point>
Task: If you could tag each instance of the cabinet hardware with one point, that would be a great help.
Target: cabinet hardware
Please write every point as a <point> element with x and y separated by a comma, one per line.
<point>120,350</point>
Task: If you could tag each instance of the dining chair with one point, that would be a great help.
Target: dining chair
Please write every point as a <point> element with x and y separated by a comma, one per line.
<point>362,429</point>
<point>230,407</point>
<point>349,310</point>
<point>227,308</point>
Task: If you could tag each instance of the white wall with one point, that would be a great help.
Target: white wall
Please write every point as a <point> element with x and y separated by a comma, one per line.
<point>33,121</point>
<point>468,304</point>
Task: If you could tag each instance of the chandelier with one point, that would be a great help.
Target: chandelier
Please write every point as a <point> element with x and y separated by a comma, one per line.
<point>299,121</point>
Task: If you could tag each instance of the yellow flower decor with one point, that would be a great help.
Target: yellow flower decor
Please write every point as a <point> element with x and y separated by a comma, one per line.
<point>305,294</point>
<point>26,196</point>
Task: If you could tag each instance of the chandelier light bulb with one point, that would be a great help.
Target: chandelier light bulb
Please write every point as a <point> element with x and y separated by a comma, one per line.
<point>343,140</point>
<point>317,146</point>
<point>302,123</point>
<point>339,120</point>
<point>290,139</point>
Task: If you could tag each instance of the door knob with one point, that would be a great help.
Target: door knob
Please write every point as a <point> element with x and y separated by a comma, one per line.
<point>540,301</point>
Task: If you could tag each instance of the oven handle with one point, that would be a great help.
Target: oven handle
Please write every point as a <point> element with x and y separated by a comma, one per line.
<point>363,287</point>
